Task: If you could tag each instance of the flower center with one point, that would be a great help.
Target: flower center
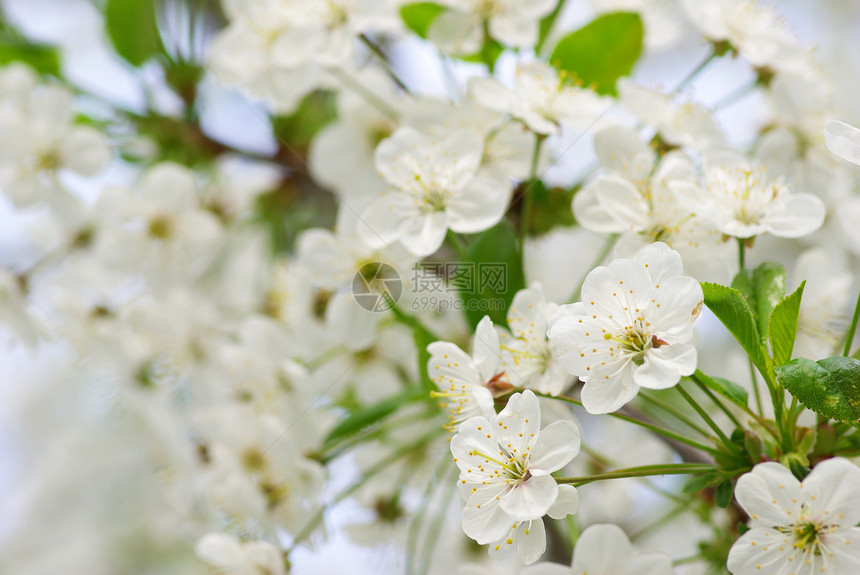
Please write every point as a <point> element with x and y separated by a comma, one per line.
<point>434,201</point>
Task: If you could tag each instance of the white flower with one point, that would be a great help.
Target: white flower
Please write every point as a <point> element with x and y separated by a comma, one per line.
<point>823,318</point>
<point>265,52</point>
<point>631,328</point>
<point>467,383</point>
<point>541,98</point>
<point>458,30</point>
<point>505,465</point>
<point>606,550</point>
<point>233,557</point>
<point>680,124</point>
<point>41,139</point>
<point>755,30</point>
<point>743,201</point>
<point>435,185</point>
<point>843,140</point>
<point>634,199</point>
<point>805,527</point>
<point>527,355</point>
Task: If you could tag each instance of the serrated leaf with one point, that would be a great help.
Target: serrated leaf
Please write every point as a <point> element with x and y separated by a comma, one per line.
<point>830,387</point>
<point>363,418</point>
<point>782,329</point>
<point>602,51</point>
<point>133,30</point>
<point>494,252</point>
<point>732,309</point>
<point>43,58</point>
<point>418,16</point>
<point>728,389</point>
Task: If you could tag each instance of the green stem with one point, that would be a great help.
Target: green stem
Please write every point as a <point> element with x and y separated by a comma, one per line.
<point>849,337</point>
<point>371,98</point>
<point>761,421</point>
<point>756,392</point>
<point>607,247</point>
<point>644,471</point>
<point>695,72</point>
<point>734,96</point>
<point>455,241</point>
<point>742,249</point>
<point>707,418</point>
<point>356,485</point>
<point>418,519</point>
<point>386,63</point>
<point>414,324</point>
<point>720,404</point>
<point>659,430</point>
<point>676,413</point>
<point>528,198</point>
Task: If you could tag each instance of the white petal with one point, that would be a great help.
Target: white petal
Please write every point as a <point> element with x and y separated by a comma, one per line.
<point>424,234</point>
<point>843,140</point>
<point>845,545</point>
<point>623,201</point>
<point>486,349</point>
<point>531,499</point>
<point>557,444</point>
<point>601,395</point>
<point>483,518</point>
<point>759,550</point>
<point>478,206</point>
<point>799,215</point>
<point>591,215</point>
<point>664,366</point>
<point>650,564</point>
<point>835,484</point>
<point>170,186</point>
<point>531,541</point>
<point>84,151</point>
<point>619,149</point>
<point>602,549</point>
<point>567,502</point>
<point>450,368</point>
<point>770,494</point>
<point>661,261</point>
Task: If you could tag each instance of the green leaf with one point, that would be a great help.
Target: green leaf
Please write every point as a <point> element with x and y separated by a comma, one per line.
<point>43,58</point>
<point>697,483</point>
<point>422,338</point>
<point>420,15</point>
<point>363,418</point>
<point>763,289</point>
<point>551,208</point>
<point>782,329</point>
<point>830,387</point>
<point>314,112</point>
<point>133,29</point>
<point>602,51</point>
<point>728,389</point>
<point>732,309</point>
<point>498,274</point>
<point>723,494</point>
